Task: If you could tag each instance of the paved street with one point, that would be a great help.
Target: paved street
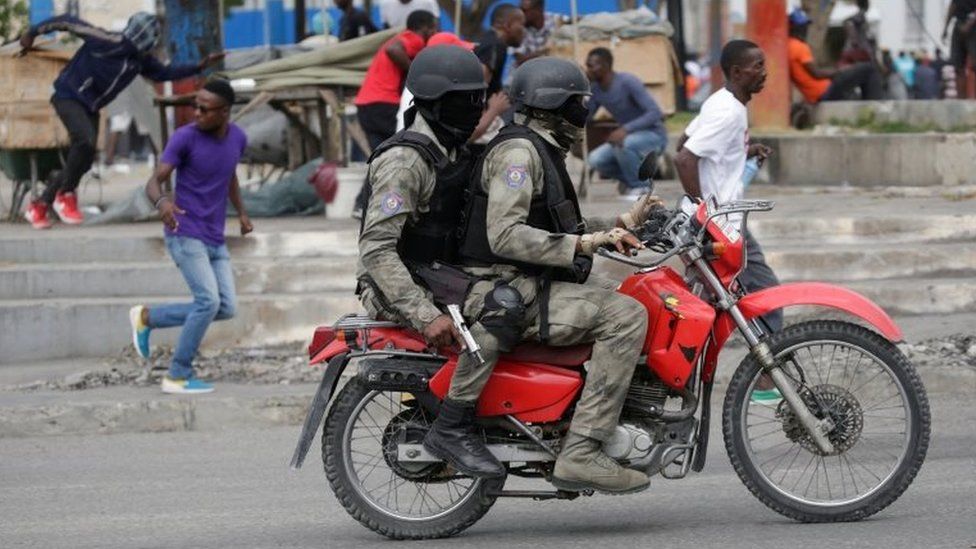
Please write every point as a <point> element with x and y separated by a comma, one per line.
<point>234,489</point>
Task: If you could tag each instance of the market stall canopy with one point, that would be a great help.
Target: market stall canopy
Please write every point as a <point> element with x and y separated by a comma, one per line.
<point>619,25</point>
<point>342,64</point>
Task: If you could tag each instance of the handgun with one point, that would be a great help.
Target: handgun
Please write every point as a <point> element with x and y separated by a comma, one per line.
<point>470,345</point>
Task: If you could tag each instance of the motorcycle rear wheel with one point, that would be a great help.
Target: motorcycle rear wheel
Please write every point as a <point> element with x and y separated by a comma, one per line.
<point>875,399</point>
<point>397,500</point>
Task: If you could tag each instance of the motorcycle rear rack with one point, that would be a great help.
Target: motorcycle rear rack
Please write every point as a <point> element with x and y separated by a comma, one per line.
<point>355,321</point>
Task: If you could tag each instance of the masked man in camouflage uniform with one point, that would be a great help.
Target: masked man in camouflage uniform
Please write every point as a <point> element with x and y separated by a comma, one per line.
<point>415,188</point>
<point>525,237</point>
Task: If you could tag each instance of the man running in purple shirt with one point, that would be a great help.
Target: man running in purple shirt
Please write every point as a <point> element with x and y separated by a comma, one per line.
<point>205,157</point>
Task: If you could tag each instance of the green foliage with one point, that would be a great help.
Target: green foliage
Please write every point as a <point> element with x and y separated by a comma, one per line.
<point>13,19</point>
<point>866,120</point>
<point>677,122</point>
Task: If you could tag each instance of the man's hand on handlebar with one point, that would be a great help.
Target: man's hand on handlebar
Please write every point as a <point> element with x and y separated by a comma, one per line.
<point>640,211</point>
<point>623,240</point>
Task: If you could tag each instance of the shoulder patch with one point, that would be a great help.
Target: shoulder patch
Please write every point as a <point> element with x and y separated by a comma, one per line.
<point>515,175</point>
<point>391,202</point>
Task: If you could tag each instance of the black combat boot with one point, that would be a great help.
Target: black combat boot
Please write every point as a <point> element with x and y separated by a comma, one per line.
<point>454,438</point>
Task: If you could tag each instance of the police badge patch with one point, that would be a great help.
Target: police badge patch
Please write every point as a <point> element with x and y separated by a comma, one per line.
<point>391,202</point>
<point>515,176</point>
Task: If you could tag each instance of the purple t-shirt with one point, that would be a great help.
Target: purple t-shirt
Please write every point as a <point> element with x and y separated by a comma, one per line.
<point>204,168</point>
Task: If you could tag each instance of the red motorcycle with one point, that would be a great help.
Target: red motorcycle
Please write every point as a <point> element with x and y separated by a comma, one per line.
<point>844,441</point>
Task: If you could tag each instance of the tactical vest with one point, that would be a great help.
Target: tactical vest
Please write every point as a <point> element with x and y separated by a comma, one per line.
<point>434,236</point>
<point>555,210</point>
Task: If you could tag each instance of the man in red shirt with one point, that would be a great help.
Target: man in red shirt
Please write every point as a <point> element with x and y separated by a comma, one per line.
<point>819,84</point>
<point>378,99</point>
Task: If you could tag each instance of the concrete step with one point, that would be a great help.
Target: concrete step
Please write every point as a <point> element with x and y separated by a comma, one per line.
<point>86,248</point>
<point>924,296</point>
<point>59,328</point>
<point>906,228</point>
<point>838,263</point>
<point>162,278</point>
<point>863,262</point>
<point>147,243</point>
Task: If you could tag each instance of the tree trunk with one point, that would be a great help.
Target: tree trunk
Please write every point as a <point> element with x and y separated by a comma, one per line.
<point>471,16</point>
<point>819,11</point>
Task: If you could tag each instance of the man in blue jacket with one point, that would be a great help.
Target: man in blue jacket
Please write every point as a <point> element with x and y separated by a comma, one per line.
<point>99,71</point>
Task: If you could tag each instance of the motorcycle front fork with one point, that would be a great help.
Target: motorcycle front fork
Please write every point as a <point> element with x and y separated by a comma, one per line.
<point>817,428</point>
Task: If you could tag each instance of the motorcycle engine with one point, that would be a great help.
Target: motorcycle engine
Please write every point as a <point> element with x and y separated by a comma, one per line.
<point>628,442</point>
<point>634,438</point>
<point>645,394</point>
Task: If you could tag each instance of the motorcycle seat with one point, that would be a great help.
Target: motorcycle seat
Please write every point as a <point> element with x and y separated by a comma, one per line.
<point>570,356</point>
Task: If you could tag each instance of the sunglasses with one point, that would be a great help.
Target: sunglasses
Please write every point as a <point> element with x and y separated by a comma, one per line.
<point>205,110</point>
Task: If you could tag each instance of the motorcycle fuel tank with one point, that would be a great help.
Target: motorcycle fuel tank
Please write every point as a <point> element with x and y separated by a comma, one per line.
<point>678,323</point>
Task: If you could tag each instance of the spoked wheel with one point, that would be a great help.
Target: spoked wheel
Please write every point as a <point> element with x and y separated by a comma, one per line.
<point>871,394</point>
<point>398,500</point>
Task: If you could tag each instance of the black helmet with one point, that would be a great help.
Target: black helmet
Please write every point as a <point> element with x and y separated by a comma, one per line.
<point>547,82</point>
<point>441,69</point>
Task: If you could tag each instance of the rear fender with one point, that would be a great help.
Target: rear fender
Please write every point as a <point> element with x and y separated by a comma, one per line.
<point>330,378</point>
<point>800,293</point>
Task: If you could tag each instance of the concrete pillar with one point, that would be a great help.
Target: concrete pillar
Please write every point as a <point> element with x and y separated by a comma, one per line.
<point>716,40</point>
<point>766,25</point>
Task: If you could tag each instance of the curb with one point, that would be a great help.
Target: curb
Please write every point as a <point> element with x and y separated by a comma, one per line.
<point>150,412</point>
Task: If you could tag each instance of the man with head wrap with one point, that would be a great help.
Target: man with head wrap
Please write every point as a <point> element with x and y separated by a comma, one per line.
<point>106,63</point>
<point>527,242</point>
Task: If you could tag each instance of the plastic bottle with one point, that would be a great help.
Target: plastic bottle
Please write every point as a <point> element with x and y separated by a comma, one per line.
<point>749,173</point>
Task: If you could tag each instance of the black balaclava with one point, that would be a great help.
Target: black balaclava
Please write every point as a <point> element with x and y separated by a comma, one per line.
<point>454,116</point>
<point>575,111</point>
<point>565,123</point>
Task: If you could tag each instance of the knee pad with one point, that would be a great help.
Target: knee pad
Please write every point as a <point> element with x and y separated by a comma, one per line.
<point>503,315</point>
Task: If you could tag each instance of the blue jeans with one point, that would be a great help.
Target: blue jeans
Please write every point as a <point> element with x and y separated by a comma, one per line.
<point>622,163</point>
<point>207,272</point>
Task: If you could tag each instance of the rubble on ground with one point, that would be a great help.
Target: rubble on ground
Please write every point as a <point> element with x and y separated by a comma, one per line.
<point>288,363</point>
<point>273,364</point>
<point>955,351</point>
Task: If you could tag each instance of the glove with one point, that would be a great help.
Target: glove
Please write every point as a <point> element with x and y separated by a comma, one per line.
<point>616,237</point>
<point>641,210</point>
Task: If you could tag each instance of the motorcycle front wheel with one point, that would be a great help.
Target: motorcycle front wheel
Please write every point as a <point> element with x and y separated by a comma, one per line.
<point>869,391</point>
<point>400,500</point>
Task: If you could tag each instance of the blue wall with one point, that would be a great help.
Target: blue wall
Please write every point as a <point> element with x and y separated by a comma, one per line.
<point>41,10</point>
<point>245,28</point>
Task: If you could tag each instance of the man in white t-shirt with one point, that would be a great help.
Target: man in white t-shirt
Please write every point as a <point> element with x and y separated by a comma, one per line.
<point>393,13</point>
<point>712,152</point>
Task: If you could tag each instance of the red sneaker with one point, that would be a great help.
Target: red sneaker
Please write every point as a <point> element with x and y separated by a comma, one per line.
<point>36,214</point>
<point>66,206</point>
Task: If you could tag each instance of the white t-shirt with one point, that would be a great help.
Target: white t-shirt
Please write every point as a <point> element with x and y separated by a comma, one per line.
<point>394,13</point>
<point>719,135</point>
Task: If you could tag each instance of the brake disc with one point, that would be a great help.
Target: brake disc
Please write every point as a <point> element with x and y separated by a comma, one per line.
<point>825,401</point>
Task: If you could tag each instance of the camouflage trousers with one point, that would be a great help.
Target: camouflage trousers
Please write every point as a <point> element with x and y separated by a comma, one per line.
<point>578,313</point>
